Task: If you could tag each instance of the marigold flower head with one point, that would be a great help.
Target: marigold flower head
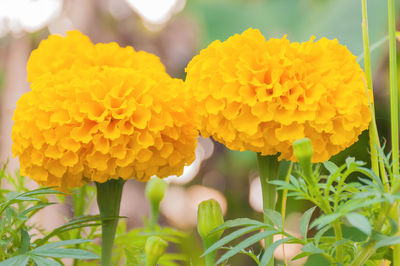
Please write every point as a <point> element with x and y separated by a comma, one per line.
<point>100,112</point>
<point>262,95</point>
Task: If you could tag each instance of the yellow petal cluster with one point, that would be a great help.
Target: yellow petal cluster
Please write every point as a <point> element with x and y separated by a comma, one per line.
<point>99,112</point>
<point>262,95</point>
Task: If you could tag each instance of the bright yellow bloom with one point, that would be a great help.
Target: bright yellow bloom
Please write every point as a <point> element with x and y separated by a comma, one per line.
<point>98,112</point>
<point>262,95</point>
<point>76,50</point>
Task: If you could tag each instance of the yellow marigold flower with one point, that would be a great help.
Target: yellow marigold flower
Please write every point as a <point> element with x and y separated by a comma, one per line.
<point>100,112</point>
<point>262,95</point>
<point>76,50</point>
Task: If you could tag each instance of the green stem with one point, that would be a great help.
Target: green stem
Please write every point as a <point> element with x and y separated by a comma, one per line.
<point>79,207</point>
<point>150,262</point>
<point>323,202</point>
<point>396,249</point>
<point>80,201</point>
<point>337,228</point>
<point>283,209</point>
<point>109,199</point>
<point>367,65</point>
<point>210,257</point>
<point>268,167</point>
<point>373,131</point>
<point>394,110</point>
<point>394,95</point>
<point>364,256</point>
<point>155,213</point>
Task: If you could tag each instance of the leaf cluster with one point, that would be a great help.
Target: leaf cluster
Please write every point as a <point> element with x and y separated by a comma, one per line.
<point>17,247</point>
<point>342,209</point>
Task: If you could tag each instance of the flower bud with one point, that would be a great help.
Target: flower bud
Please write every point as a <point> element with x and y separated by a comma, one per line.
<point>209,216</point>
<point>303,149</point>
<point>155,190</point>
<point>154,249</point>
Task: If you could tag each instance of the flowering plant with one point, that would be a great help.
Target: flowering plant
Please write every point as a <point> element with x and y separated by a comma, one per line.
<point>104,113</point>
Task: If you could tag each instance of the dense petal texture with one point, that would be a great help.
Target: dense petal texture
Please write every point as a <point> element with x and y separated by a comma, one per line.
<point>98,112</point>
<point>262,95</point>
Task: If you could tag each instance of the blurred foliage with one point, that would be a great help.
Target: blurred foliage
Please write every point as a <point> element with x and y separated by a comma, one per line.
<point>23,243</point>
<point>299,20</point>
<point>129,246</point>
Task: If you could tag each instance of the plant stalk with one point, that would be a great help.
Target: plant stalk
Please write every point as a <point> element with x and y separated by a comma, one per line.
<point>394,94</point>
<point>373,131</point>
<point>283,209</point>
<point>367,66</point>
<point>364,256</point>
<point>210,257</point>
<point>79,207</point>
<point>394,111</point>
<point>109,199</point>
<point>154,215</point>
<point>268,168</point>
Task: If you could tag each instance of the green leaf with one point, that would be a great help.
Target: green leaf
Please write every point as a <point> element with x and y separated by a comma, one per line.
<point>249,253</point>
<point>310,248</point>
<point>26,240</point>
<point>231,237</point>
<point>319,260</point>
<point>331,167</point>
<point>36,207</point>
<point>294,181</point>
<point>134,256</point>
<point>358,204</point>
<point>275,217</point>
<point>40,261</point>
<point>301,255</point>
<point>269,252</point>
<point>170,258</point>
<point>281,185</point>
<point>65,253</point>
<point>284,168</point>
<point>388,241</point>
<point>320,233</point>
<point>393,226</point>
<point>27,196</point>
<point>22,198</point>
<point>350,161</point>
<point>42,191</point>
<point>79,222</point>
<point>20,260</point>
<point>360,222</point>
<point>244,244</point>
<point>237,222</point>
<point>372,175</point>
<point>305,220</point>
<point>9,214</point>
<point>63,243</point>
<point>326,219</point>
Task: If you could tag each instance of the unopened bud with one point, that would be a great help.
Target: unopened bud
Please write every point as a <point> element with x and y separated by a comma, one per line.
<point>209,216</point>
<point>154,249</point>
<point>155,190</point>
<point>303,149</point>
